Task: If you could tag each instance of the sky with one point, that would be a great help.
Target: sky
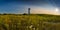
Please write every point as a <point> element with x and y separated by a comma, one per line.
<point>37,6</point>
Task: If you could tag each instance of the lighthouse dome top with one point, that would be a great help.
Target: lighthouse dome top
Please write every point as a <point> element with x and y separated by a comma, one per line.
<point>28,8</point>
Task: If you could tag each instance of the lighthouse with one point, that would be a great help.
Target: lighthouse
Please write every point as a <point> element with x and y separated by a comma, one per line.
<point>28,11</point>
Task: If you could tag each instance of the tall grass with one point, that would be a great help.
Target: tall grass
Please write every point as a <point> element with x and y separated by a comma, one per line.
<point>29,22</point>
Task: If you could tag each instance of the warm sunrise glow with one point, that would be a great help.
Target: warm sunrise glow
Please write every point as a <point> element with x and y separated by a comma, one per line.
<point>57,9</point>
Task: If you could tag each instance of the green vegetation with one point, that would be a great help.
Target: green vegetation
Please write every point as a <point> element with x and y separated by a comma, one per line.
<point>29,22</point>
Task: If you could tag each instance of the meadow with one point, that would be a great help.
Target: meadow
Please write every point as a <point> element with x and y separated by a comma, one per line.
<point>29,22</point>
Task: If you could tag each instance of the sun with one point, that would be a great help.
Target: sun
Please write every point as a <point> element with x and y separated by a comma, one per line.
<point>57,10</point>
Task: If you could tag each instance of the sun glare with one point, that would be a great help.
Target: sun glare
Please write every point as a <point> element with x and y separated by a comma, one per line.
<point>57,9</point>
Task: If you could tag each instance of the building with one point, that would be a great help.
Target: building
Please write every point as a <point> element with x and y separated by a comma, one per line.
<point>29,11</point>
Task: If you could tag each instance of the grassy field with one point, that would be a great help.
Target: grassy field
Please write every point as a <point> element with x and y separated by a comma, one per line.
<point>29,22</point>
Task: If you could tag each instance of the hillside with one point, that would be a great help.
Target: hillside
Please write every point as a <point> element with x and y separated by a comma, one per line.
<point>29,22</point>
